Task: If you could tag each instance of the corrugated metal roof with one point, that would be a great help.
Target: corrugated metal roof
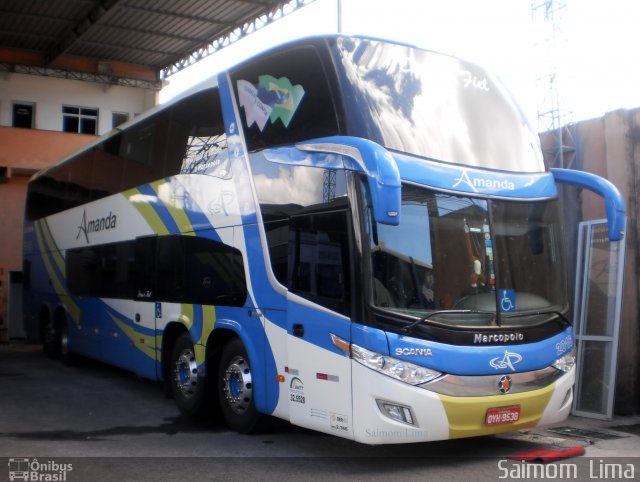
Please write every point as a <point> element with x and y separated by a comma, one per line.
<point>153,34</point>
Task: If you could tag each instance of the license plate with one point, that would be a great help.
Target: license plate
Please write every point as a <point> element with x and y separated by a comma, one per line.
<point>502,415</point>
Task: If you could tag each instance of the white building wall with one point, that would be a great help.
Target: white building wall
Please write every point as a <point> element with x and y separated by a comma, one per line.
<point>50,94</point>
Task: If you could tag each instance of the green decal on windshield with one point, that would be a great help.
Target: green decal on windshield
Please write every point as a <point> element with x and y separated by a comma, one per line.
<point>271,99</point>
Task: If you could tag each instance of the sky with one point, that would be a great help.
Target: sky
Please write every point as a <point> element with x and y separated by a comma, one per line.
<point>594,53</point>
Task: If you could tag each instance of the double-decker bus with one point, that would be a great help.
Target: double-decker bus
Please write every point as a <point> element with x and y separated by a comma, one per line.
<point>354,235</point>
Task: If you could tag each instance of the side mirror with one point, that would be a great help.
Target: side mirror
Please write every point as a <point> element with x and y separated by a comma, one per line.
<point>375,162</point>
<point>354,154</point>
<point>613,202</point>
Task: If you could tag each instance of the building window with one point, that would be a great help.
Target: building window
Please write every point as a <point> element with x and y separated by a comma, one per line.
<point>23,115</point>
<point>81,120</point>
<point>118,118</point>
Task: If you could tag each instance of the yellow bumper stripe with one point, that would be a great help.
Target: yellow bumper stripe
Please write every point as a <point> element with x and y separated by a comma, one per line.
<point>466,415</point>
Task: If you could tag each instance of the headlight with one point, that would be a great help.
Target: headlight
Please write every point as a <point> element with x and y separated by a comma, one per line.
<point>392,367</point>
<point>566,362</point>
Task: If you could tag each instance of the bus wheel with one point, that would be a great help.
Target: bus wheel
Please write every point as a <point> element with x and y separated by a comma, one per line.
<point>50,336</point>
<point>235,389</point>
<point>186,387</point>
<point>67,357</point>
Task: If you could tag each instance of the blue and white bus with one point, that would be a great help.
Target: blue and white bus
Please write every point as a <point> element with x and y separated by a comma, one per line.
<point>354,235</point>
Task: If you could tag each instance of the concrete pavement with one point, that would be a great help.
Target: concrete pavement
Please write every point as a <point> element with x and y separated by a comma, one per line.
<point>111,425</point>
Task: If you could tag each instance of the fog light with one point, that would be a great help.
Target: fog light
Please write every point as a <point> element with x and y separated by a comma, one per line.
<point>396,412</point>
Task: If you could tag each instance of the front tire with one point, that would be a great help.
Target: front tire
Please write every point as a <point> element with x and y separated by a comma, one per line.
<point>235,389</point>
<point>187,387</point>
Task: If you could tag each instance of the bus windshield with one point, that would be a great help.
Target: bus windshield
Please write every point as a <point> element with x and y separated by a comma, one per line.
<point>433,106</point>
<point>468,261</point>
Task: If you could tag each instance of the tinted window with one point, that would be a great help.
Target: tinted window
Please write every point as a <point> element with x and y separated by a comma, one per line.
<point>214,273</point>
<point>105,271</point>
<point>285,98</point>
<point>187,137</point>
<point>319,257</point>
<point>306,217</point>
<point>498,260</point>
<point>181,269</point>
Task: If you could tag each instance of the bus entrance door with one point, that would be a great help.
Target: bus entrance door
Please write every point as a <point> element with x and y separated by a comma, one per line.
<point>319,372</point>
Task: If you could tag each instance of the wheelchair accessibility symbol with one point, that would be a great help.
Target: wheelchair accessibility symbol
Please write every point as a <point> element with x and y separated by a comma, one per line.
<point>507,301</point>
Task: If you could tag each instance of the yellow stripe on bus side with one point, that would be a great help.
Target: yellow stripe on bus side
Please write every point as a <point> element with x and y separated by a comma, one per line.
<point>144,207</point>
<point>53,248</point>
<point>177,212</point>
<point>144,343</point>
<point>72,308</point>
<point>467,415</point>
<point>186,316</point>
<point>208,322</point>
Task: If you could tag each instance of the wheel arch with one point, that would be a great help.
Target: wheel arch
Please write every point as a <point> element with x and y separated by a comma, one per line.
<point>170,334</point>
<point>224,331</point>
<point>44,317</point>
<point>59,316</point>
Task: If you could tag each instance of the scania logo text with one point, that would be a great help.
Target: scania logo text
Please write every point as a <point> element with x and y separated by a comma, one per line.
<point>414,351</point>
<point>508,360</point>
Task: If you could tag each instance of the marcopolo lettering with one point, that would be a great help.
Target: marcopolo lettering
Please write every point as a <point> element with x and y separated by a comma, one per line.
<point>481,338</point>
<point>95,225</point>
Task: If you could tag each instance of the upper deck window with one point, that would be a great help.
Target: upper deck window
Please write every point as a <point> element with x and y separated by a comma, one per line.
<point>285,98</point>
<point>185,138</point>
<point>434,106</point>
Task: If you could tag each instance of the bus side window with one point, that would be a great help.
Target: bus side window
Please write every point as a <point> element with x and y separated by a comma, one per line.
<point>191,270</point>
<point>144,268</point>
<point>188,137</point>
<point>278,242</point>
<point>197,140</point>
<point>104,271</point>
<point>170,269</point>
<point>214,273</point>
<point>81,271</point>
<point>319,259</point>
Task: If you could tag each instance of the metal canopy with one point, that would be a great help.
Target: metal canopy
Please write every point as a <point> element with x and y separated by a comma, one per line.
<point>114,40</point>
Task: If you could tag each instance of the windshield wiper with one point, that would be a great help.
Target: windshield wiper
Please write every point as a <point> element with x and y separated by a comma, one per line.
<point>410,327</point>
<point>520,314</point>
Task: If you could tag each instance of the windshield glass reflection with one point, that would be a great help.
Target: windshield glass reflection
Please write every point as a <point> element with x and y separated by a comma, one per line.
<point>496,260</point>
<point>434,106</point>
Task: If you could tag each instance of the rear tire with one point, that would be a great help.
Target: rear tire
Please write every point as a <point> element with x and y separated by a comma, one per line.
<point>50,339</point>
<point>187,387</point>
<point>67,357</point>
<point>235,390</point>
